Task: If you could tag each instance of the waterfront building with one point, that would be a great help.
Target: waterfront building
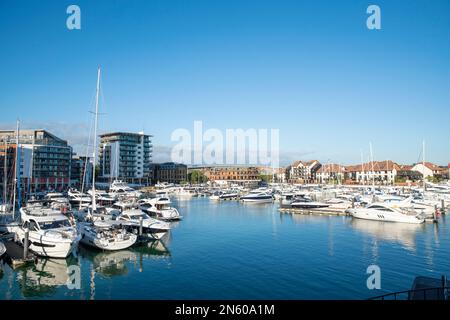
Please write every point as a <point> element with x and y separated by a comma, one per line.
<point>330,172</point>
<point>429,169</point>
<point>380,172</point>
<point>81,170</point>
<point>277,175</point>
<point>170,172</point>
<point>125,156</point>
<point>303,171</point>
<point>228,175</point>
<point>44,159</point>
<point>407,174</point>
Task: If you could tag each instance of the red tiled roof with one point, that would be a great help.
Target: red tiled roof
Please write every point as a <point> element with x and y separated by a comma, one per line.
<point>331,168</point>
<point>386,165</point>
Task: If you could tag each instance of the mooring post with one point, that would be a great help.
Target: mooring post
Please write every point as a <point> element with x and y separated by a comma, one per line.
<point>140,226</point>
<point>443,206</point>
<point>434,213</point>
<point>25,243</point>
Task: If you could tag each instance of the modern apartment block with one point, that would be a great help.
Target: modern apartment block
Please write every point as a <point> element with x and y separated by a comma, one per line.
<point>44,159</point>
<point>125,156</point>
<point>81,171</point>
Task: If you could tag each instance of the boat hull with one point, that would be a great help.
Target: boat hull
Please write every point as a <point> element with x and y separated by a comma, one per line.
<point>376,215</point>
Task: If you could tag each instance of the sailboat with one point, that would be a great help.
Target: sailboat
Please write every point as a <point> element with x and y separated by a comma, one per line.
<point>7,217</point>
<point>99,234</point>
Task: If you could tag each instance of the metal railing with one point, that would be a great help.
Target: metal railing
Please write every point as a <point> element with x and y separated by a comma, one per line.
<point>432,293</point>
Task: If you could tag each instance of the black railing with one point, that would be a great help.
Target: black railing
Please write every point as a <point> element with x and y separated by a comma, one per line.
<point>435,293</point>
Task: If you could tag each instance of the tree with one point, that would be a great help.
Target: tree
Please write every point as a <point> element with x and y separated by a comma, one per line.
<point>196,176</point>
<point>265,177</point>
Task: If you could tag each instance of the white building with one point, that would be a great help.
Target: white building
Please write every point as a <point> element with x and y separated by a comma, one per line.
<point>330,172</point>
<point>125,156</point>
<point>429,169</point>
<point>303,171</point>
<point>378,172</point>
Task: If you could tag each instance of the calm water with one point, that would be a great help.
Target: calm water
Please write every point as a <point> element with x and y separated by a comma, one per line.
<point>231,250</point>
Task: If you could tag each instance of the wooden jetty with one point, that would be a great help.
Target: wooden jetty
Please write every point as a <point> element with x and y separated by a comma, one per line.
<point>15,254</point>
<point>317,212</point>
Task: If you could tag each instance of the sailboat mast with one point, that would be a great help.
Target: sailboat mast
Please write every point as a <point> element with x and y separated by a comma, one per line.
<point>16,168</point>
<point>94,153</point>
<point>373,170</point>
<point>423,165</point>
<point>5,174</point>
<point>362,167</point>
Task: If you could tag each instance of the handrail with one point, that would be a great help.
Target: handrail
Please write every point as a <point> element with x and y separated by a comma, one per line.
<point>409,292</point>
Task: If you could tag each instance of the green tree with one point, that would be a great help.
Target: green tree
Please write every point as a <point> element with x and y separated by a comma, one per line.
<point>265,177</point>
<point>196,176</point>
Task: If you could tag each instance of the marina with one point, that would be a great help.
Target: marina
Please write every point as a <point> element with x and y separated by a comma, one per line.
<point>199,257</point>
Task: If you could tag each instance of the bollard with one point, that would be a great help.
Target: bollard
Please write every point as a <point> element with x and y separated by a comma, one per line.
<point>140,226</point>
<point>25,243</point>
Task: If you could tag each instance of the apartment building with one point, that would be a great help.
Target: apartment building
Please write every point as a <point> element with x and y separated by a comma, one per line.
<point>330,172</point>
<point>81,170</point>
<point>302,171</point>
<point>44,159</point>
<point>378,172</point>
<point>126,156</point>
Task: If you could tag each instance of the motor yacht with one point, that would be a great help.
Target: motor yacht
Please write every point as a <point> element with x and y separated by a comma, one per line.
<point>103,197</point>
<point>131,213</point>
<point>258,196</point>
<point>381,211</point>
<point>230,195</point>
<point>151,228</point>
<point>51,233</point>
<point>159,208</point>
<point>120,189</point>
<point>77,198</point>
<point>2,249</point>
<point>106,236</point>
<point>307,203</point>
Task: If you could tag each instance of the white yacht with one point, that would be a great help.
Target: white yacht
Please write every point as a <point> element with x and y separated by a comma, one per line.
<point>120,189</point>
<point>184,193</point>
<point>159,208</point>
<point>258,196</point>
<point>78,198</point>
<point>51,234</point>
<point>215,196</point>
<point>103,197</point>
<point>55,196</point>
<point>384,212</point>
<point>2,249</point>
<point>230,195</point>
<point>105,236</point>
<point>123,211</point>
<point>306,203</point>
<point>151,228</point>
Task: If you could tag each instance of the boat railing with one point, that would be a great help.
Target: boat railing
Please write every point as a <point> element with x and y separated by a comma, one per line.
<point>431,293</point>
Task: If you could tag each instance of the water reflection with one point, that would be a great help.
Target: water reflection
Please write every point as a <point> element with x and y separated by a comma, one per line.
<point>116,263</point>
<point>43,277</point>
<point>402,233</point>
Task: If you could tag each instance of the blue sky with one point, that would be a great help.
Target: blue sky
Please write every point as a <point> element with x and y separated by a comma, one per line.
<point>310,68</point>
